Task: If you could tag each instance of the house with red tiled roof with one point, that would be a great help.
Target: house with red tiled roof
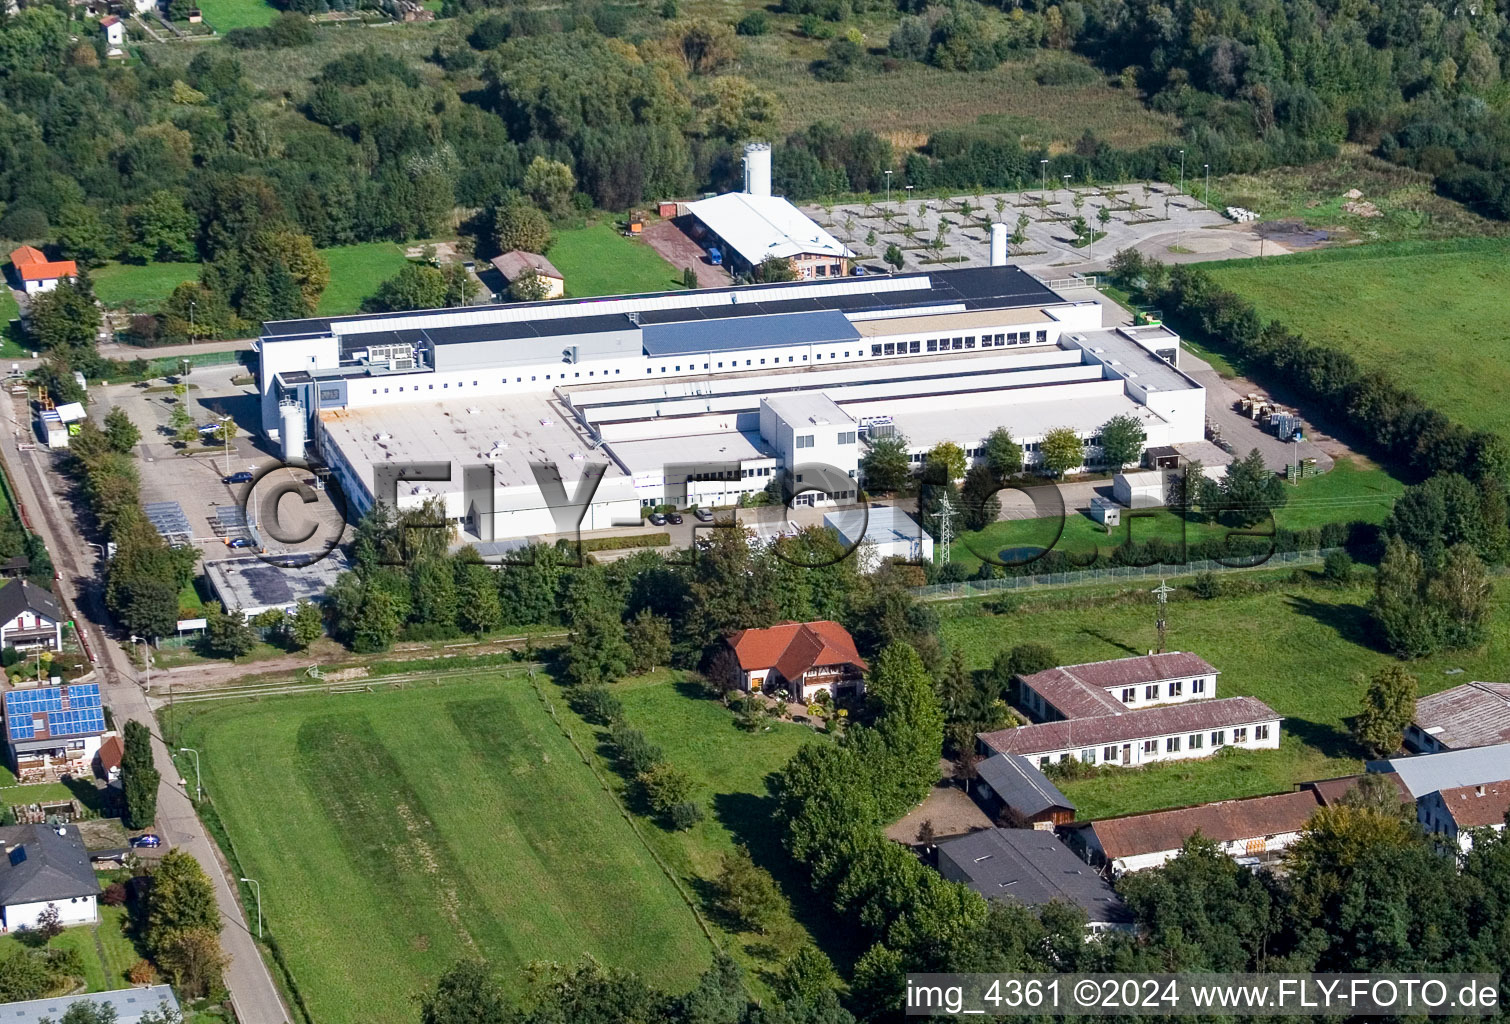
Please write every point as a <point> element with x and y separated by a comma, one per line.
<point>1456,812</point>
<point>115,31</point>
<point>800,658</point>
<point>35,273</point>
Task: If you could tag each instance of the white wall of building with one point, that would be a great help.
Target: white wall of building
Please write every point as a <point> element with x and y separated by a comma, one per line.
<point>1255,846</point>
<point>1153,749</point>
<point>81,910</point>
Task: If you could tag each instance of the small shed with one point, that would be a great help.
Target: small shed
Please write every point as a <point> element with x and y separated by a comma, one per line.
<point>51,430</point>
<point>1139,489</point>
<point>115,31</point>
<point>515,263</point>
<point>1013,788</point>
<point>667,208</point>
<point>1106,512</point>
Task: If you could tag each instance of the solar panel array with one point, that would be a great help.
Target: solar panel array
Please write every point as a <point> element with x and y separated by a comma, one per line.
<point>70,710</point>
<point>230,521</point>
<point>169,519</point>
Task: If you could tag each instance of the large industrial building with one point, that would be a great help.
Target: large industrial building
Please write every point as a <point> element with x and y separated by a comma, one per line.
<point>536,418</point>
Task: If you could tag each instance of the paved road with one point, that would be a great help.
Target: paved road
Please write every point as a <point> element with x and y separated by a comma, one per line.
<point>253,995</point>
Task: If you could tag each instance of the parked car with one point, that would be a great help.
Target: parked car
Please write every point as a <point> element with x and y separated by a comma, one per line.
<point>242,477</point>
<point>146,840</point>
<point>656,519</point>
<point>239,542</point>
<point>674,518</point>
<point>703,515</point>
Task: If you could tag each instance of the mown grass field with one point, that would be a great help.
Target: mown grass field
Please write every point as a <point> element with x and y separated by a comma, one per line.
<point>1429,313</point>
<point>598,260</point>
<point>355,273</point>
<point>1348,492</point>
<point>106,949</point>
<point>398,831</point>
<point>1303,649</point>
<point>140,288</point>
<point>225,15</point>
<point>10,341</point>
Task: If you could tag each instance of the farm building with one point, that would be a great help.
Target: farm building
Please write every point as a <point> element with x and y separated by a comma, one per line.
<point>1033,868</point>
<point>801,658</point>
<point>516,263</point>
<point>34,272</point>
<point>46,866</point>
<point>881,532</point>
<point>1254,829</point>
<point>662,398</point>
<point>752,226</point>
<point>1009,786</point>
<point>53,730</point>
<point>1471,715</point>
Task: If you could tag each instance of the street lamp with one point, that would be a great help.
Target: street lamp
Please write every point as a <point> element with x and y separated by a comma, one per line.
<point>1208,186</point>
<point>192,332</point>
<point>198,785</point>
<point>146,661</point>
<point>1043,179</point>
<point>225,435</point>
<point>258,885</point>
<point>888,188</point>
<point>1182,172</point>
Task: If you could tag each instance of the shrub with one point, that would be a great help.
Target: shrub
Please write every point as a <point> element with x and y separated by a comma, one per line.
<point>633,751</point>
<point>756,23</point>
<point>9,656</point>
<point>1206,586</point>
<point>686,814</point>
<point>142,973</point>
<point>601,706</point>
<point>114,895</point>
<point>1338,568</point>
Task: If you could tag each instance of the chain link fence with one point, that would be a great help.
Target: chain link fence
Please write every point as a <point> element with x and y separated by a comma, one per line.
<point>979,588</point>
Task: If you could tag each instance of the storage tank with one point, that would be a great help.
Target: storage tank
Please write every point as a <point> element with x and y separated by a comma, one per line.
<point>291,422</point>
<point>998,245</point>
<point>758,169</point>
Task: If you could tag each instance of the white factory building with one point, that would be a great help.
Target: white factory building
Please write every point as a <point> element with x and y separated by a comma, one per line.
<point>529,417</point>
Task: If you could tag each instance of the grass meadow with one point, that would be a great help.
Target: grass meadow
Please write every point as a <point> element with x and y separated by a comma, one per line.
<point>598,260</point>
<point>397,831</point>
<point>140,288</point>
<point>1429,313</point>
<point>1303,648</point>
<point>355,273</point>
<point>1348,492</point>
<point>225,15</point>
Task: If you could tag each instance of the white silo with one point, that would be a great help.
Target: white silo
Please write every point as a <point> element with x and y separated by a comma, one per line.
<point>998,245</point>
<point>758,168</point>
<point>291,421</point>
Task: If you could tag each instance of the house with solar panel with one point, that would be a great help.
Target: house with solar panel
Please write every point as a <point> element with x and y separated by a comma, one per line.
<point>53,730</point>
<point>30,617</point>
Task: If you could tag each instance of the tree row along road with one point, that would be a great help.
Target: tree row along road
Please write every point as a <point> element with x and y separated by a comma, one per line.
<point>254,997</point>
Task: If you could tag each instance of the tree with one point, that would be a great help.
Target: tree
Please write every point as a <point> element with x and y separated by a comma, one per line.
<point>1337,568</point>
<point>549,183</point>
<point>50,922</point>
<point>664,785</point>
<point>773,270</point>
<point>376,623</point>
<point>906,708</point>
<point>949,457</point>
<point>121,434</point>
<point>978,499</point>
<point>1003,455</point>
<point>192,958</point>
<point>83,236</point>
<point>1389,704</point>
<point>478,608</point>
<point>1122,440</point>
<point>64,318</point>
<point>1250,490</point>
<point>181,898</point>
<point>886,464</point>
<point>162,229</point>
<point>227,634</point>
<point>467,993</point>
<point>1026,659</point>
<point>529,286</point>
<point>1460,591</point>
<point>1407,625</point>
<point>518,225</point>
<point>1103,217</point>
<point>306,624</point>
<point>894,256</point>
<point>649,638</point>
<point>1060,451</point>
<point>415,286</point>
<point>746,892</point>
<point>597,652</point>
<point>139,782</point>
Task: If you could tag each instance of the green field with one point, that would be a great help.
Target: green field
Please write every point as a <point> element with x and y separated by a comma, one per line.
<point>355,273</point>
<point>1346,493</point>
<point>598,260</point>
<point>1302,649</point>
<point>225,15</point>
<point>395,832</point>
<point>10,347</point>
<point>1429,313</point>
<point>140,288</point>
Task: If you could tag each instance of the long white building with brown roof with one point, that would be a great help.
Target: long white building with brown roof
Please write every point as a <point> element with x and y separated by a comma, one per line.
<point>1471,715</point>
<point>1133,711</point>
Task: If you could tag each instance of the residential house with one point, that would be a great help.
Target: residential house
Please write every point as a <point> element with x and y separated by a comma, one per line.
<point>1471,715</point>
<point>53,730</point>
<point>115,32</point>
<point>1455,813</point>
<point>515,263</point>
<point>1015,791</point>
<point>1033,868</point>
<point>35,273</point>
<point>30,616</point>
<point>130,1005</point>
<point>1131,711</point>
<point>1257,828</point>
<point>1111,687</point>
<point>1145,736</point>
<point>801,658</point>
<point>46,866</point>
